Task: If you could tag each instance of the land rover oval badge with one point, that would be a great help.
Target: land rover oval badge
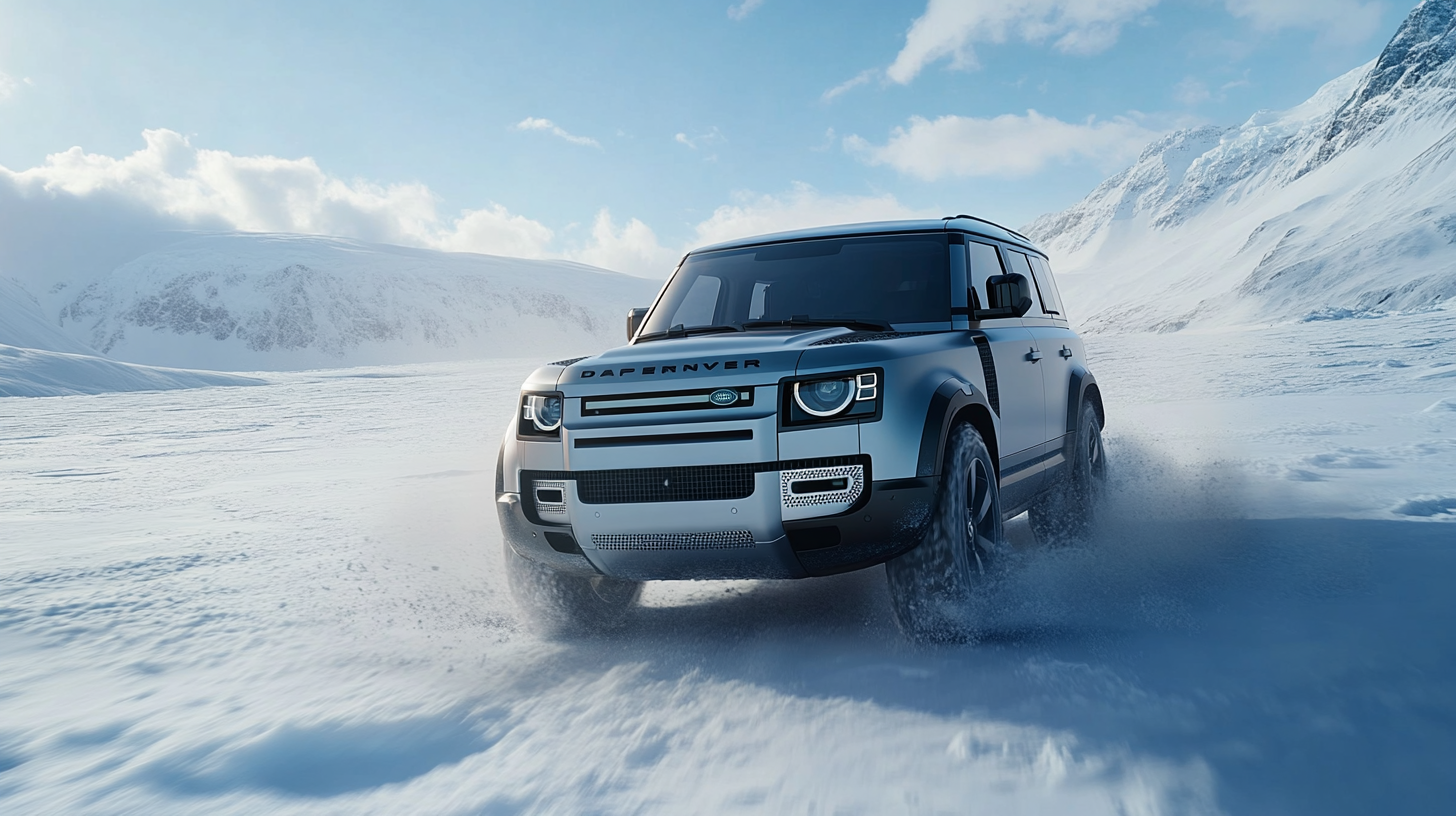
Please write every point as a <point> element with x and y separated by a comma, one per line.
<point>723,397</point>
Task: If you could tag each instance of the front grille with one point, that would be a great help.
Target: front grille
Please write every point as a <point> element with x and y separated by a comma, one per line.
<point>673,484</point>
<point>725,540</point>
<point>701,399</point>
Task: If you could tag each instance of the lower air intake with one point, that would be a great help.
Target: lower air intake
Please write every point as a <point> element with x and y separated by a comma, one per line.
<point>726,540</point>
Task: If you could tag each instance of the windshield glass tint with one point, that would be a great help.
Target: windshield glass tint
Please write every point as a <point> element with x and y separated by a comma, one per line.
<point>896,279</point>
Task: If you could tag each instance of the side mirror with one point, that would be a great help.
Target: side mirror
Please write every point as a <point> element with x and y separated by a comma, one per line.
<point>1006,296</point>
<point>634,321</point>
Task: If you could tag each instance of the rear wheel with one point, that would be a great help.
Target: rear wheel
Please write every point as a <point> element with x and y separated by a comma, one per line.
<point>557,604</point>
<point>933,588</point>
<point>1068,510</point>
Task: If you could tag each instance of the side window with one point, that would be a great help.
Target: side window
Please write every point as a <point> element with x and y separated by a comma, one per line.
<point>700,306</point>
<point>984,264</point>
<point>1019,263</point>
<point>1048,286</point>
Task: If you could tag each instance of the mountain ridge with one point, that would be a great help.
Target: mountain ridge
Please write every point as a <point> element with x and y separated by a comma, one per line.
<point>1342,205</point>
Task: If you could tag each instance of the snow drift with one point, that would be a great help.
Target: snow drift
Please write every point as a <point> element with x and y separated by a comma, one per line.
<point>27,372</point>
<point>1342,206</point>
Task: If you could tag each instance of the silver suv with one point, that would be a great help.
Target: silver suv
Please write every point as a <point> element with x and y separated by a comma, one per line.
<point>805,404</point>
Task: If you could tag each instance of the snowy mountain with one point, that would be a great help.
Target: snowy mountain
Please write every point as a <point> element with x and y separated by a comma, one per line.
<point>237,301</point>
<point>1342,206</point>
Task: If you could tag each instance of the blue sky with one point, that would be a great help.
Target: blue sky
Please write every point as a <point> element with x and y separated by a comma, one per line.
<point>621,133</point>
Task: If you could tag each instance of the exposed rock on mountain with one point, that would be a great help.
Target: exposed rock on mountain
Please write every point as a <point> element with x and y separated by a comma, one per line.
<point>254,302</point>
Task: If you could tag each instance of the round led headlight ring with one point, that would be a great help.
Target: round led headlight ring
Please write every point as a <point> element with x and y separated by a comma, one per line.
<point>546,413</point>
<point>823,398</point>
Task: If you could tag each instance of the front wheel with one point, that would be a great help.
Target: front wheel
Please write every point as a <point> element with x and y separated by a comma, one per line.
<point>556,604</point>
<point>1070,507</point>
<point>933,587</point>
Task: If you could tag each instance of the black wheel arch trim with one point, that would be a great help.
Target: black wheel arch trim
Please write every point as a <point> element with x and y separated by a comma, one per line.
<point>1083,388</point>
<point>953,399</point>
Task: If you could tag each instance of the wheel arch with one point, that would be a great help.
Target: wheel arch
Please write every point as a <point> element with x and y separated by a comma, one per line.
<point>1083,388</point>
<point>955,401</point>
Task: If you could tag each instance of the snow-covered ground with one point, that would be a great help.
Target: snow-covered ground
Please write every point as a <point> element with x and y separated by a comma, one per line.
<point>287,598</point>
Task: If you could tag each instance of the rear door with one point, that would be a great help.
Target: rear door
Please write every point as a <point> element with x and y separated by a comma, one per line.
<point>1019,388</point>
<point>1059,345</point>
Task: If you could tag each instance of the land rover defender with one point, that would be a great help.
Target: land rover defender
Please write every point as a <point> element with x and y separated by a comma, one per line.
<point>804,404</point>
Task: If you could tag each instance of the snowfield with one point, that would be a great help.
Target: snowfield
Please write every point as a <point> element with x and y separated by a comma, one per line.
<point>287,598</point>
<point>282,592</point>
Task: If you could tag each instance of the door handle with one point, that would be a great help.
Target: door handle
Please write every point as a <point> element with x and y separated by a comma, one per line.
<point>1066,352</point>
<point>1033,355</point>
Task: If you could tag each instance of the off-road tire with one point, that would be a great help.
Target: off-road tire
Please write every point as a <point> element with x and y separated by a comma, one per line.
<point>559,605</point>
<point>934,587</point>
<point>1069,509</point>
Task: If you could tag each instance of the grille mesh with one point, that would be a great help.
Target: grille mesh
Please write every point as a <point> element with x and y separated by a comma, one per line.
<point>677,484</point>
<point>550,508</point>
<point>725,540</point>
<point>853,474</point>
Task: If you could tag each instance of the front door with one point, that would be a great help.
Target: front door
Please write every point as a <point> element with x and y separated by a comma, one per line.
<point>1018,383</point>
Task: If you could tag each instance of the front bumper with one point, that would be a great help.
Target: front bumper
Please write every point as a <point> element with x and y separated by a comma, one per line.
<point>759,535</point>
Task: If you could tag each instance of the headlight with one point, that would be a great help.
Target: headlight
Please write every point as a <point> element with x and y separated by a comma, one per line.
<point>541,414</point>
<point>851,396</point>
<point>824,398</point>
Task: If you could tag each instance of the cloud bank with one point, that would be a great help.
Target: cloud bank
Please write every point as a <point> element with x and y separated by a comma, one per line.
<point>81,214</point>
<point>1006,146</point>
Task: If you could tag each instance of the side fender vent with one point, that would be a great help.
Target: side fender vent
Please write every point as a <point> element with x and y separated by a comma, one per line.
<point>988,370</point>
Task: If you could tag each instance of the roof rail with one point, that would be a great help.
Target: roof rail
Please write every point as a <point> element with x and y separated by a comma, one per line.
<point>986,221</point>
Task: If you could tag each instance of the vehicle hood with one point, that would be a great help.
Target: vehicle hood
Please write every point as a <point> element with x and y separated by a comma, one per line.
<point>756,356</point>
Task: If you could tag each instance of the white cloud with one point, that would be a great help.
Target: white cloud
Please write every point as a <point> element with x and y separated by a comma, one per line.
<point>951,28</point>
<point>495,231</point>
<point>9,85</point>
<point>633,248</point>
<point>214,189</point>
<point>532,123</point>
<point>1191,92</point>
<point>1007,146</point>
<point>743,9</point>
<point>707,138</point>
<point>862,78</point>
<point>1338,21</point>
<point>799,208</point>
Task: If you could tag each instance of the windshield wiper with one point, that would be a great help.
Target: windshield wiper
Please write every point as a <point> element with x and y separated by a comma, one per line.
<point>803,320</point>
<point>679,331</point>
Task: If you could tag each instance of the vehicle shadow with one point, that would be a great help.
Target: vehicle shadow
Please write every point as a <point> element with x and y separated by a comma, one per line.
<point>1305,660</point>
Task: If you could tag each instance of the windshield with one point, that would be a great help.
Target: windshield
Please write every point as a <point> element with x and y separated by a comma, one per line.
<point>899,280</point>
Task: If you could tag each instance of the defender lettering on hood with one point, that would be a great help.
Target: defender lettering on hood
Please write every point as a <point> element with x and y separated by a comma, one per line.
<point>728,365</point>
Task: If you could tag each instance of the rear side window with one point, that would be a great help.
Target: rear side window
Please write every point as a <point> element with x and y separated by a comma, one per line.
<point>1047,285</point>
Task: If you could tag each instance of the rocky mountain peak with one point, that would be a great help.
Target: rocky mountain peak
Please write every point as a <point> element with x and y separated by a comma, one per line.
<point>1424,44</point>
